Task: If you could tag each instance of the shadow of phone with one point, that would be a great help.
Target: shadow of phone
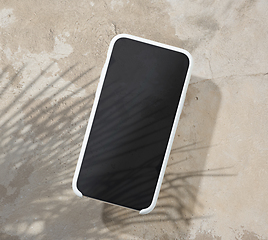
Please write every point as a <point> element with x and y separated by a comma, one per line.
<point>177,200</point>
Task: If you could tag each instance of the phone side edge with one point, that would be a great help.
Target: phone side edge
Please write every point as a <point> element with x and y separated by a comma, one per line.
<point>172,135</point>
<point>91,117</point>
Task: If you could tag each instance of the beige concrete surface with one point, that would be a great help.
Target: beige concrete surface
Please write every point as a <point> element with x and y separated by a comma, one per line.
<point>51,56</point>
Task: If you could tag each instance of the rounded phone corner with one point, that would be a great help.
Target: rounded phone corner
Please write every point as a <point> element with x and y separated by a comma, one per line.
<point>76,190</point>
<point>151,207</point>
<point>148,209</point>
<point>189,56</point>
<point>119,36</point>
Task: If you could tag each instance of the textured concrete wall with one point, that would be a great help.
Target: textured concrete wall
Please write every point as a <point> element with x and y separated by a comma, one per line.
<point>51,55</point>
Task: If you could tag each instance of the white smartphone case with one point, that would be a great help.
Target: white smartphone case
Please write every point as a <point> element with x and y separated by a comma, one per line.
<point>175,123</point>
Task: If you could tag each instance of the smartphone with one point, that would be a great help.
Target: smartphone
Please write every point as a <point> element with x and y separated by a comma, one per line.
<point>132,124</point>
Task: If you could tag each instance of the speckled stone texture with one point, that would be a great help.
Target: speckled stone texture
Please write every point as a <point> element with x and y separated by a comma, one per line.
<point>51,56</point>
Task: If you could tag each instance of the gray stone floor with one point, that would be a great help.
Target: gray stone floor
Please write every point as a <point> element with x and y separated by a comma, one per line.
<point>51,56</point>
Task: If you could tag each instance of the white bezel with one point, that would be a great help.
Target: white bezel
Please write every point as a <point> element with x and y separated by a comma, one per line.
<point>175,123</point>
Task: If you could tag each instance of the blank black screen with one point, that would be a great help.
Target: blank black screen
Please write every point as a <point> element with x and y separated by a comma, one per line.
<point>132,124</point>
